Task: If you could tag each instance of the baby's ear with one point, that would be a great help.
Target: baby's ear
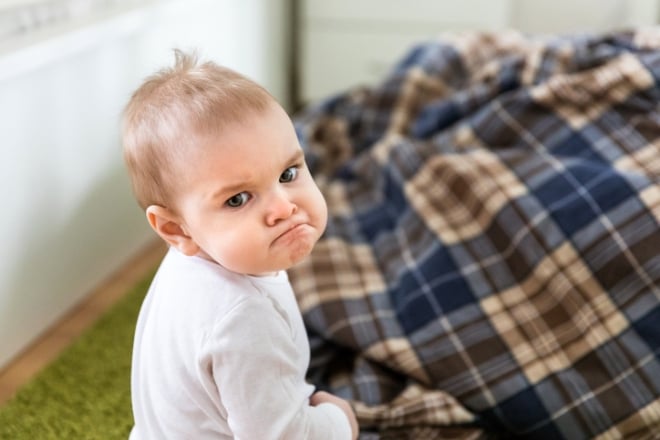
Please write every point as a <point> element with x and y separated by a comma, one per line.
<point>169,226</point>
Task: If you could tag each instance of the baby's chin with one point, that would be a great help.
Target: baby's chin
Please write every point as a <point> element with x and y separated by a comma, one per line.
<point>292,260</point>
<point>270,269</point>
<point>279,258</point>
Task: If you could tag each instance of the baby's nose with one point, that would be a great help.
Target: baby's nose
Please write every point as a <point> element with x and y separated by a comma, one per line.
<point>280,207</point>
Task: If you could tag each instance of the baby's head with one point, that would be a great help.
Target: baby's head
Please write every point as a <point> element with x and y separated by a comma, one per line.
<point>216,164</point>
<point>170,113</point>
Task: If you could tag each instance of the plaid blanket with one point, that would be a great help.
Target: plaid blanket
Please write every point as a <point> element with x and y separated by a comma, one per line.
<point>491,266</point>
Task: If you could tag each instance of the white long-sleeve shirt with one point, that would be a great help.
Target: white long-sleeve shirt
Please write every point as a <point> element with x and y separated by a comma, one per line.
<point>221,355</point>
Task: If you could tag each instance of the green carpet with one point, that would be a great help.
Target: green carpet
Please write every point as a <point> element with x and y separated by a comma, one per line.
<point>85,393</point>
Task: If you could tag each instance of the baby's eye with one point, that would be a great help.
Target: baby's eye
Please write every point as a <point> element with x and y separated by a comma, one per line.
<point>238,200</point>
<point>289,175</point>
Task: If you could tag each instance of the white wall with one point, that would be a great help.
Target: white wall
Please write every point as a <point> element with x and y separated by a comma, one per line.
<point>563,16</point>
<point>68,218</point>
<point>346,43</point>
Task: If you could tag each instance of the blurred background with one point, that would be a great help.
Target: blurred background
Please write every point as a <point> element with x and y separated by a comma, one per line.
<point>67,67</point>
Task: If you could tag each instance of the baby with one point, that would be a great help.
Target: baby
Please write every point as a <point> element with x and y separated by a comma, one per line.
<point>220,348</point>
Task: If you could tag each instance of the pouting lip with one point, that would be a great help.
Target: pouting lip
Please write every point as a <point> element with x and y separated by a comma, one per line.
<point>289,229</point>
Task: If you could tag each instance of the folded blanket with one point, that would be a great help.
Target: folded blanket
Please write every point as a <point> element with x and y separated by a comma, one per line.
<point>491,266</point>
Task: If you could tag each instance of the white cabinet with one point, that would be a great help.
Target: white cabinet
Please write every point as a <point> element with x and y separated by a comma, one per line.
<point>344,43</point>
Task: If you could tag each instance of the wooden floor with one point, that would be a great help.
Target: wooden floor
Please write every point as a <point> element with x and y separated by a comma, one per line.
<point>45,349</point>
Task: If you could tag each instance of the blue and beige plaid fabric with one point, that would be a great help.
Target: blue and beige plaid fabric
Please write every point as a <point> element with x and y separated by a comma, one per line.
<point>491,266</point>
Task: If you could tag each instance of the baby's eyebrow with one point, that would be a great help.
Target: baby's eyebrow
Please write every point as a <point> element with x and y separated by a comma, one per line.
<point>235,188</point>
<point>228,190</point>
<point>298,155</point>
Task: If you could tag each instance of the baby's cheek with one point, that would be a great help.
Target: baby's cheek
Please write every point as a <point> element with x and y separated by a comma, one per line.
<point>237,252</point>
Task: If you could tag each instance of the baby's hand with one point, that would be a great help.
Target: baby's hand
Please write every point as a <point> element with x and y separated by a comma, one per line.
<point>323,397</point>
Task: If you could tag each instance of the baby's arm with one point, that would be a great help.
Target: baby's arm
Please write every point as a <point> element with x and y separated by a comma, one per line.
<point>256,370</point>
<point>323,397</point>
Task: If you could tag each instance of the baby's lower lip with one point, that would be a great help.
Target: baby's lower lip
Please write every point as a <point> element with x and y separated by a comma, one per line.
<point>292,233</point>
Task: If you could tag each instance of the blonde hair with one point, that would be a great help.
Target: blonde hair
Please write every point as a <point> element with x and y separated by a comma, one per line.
<point>173,111</point>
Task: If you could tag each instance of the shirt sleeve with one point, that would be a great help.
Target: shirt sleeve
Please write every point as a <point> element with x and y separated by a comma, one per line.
<point>256,367</point>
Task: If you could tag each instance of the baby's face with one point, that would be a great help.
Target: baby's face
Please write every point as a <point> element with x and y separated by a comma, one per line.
<point>249,201</point>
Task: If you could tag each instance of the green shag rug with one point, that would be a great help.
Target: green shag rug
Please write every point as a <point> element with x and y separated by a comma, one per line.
<point>85,393</point>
